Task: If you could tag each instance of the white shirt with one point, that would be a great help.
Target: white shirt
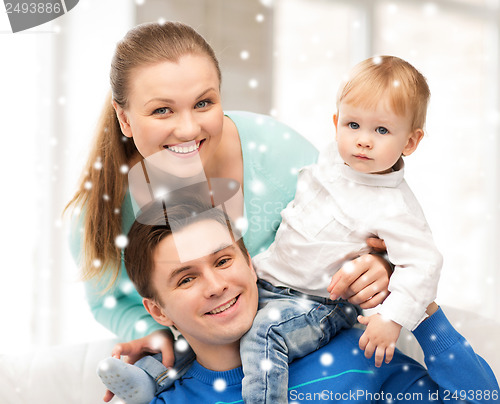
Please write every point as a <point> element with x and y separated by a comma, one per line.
<point>335,209</point>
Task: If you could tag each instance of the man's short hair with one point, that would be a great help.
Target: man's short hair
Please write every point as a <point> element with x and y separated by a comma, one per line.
<point>156,222</point>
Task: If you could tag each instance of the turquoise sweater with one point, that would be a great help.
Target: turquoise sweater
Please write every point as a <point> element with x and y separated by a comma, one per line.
<point>339,372</point>
<point>272,155</point>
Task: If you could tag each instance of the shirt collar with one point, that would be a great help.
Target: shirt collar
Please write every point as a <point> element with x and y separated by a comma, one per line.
<point>389,180</point>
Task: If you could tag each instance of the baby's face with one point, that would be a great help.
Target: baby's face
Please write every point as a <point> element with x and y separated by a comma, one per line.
<point>371,140</point>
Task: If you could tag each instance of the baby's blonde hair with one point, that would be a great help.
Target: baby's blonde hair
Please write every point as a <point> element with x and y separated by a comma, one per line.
<point>379,76</point>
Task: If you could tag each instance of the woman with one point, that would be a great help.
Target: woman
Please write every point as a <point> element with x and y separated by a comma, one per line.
<point>165,85</point>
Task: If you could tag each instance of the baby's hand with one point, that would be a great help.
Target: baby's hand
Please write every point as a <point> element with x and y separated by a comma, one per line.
<point>380,337</point>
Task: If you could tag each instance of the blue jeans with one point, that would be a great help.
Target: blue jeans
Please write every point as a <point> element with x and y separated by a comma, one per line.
<point>288,325</point>
<point>163,376</point>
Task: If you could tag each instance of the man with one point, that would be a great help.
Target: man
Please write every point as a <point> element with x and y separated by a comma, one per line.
<point>198,278</point>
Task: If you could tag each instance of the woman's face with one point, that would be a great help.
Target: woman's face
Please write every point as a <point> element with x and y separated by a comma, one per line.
<point>174,107</point>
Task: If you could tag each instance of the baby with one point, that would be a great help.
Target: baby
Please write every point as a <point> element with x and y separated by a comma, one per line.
<point>356,190</point>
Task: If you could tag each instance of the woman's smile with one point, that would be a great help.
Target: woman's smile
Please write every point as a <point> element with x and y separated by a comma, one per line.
<point>185,149</point>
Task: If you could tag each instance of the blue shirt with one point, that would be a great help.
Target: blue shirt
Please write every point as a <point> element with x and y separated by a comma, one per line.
<point>339,372</point>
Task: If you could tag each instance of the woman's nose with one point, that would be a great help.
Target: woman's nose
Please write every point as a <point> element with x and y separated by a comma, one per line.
<point>187,128</point>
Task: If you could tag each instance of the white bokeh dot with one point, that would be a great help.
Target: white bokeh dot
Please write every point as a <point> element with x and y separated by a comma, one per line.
<point>274,314</point>
<point>267,3</point>
<point>141,326</point>
<point>219,385</point>
<point>127,287</point>
<point>181,345</point>
<point>121,241</point>
<point>109,302</point>
<point>104,366</point>
<point>326,359</point>
<point>253,83</point>
<point>257,186</point>
<point>266,364</point>
<point>241,224</point>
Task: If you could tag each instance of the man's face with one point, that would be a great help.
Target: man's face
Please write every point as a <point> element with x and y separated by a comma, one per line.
<point>212,300</point>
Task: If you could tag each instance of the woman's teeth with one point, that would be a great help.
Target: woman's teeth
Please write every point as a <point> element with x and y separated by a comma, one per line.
<point>223,308</point>
<point>184,149</point>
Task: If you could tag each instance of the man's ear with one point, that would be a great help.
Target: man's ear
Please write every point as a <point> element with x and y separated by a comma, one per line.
<point>123,119</point>
<point>413,141</point>
<point>156,312</point>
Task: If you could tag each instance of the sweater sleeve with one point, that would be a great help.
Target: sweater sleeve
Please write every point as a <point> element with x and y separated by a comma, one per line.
<point>455,372</point>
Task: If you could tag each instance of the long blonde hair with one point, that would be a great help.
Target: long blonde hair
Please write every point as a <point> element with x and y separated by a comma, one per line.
<point>104,181</point>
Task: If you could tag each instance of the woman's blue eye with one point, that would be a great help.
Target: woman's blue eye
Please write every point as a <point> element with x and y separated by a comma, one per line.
<point>160,111</point>
<point>202,104</point>
<point>353,125</point>
<point>382,130</point>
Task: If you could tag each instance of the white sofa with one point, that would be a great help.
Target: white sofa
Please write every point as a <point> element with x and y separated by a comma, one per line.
<point>66,374</point>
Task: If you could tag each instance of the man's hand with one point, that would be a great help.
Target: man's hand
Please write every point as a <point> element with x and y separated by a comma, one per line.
<point>362,281</point>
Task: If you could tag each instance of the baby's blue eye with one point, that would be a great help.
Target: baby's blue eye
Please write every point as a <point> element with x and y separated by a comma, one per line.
<point>382,130</point>
<point>353,125</point>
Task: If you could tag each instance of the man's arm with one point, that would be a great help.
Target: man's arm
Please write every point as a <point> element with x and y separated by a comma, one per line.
<point>455,372</point>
